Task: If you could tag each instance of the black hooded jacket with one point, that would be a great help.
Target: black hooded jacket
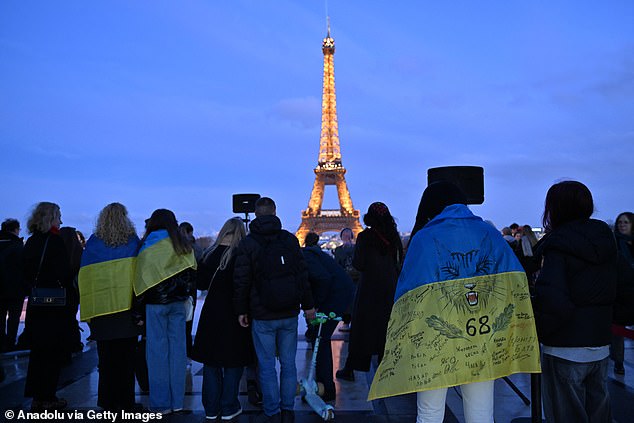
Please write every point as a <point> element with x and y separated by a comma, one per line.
<point>576,288</point>
<point>246,299</point>
<point>332,288</point>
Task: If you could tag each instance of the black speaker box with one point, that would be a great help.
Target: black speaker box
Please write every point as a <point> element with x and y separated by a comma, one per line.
<point>244,203</point>
<point>470,179</point>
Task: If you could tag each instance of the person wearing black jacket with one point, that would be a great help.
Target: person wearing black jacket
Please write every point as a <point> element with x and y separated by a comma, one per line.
<point>165,311</point>
<point>272,329</point>
<point>12,289</point>
<point>49,328</point>
<point>573,303</point>
<point>221,344</point>
<point>623,233</point>
<point>378,256</point>
<point>332,290</point>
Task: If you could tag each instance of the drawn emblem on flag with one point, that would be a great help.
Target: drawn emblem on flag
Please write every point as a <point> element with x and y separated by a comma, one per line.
<point>461,316</point>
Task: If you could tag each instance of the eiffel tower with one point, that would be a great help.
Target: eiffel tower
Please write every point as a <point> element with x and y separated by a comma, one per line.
<point>329,170</point>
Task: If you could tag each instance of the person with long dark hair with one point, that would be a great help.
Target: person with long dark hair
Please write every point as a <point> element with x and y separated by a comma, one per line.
<point>378,255</point>
<point>460,284</point>
<point>221,344</point>
<point>165,279</point>
<point>105,288</point>
<point>49,328</point>
<point>573,302</point>
<point>623,233</point>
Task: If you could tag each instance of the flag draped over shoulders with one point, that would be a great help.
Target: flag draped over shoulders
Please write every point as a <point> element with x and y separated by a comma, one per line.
<point>105,277</point>
<point>462,310</point>
<point>157,261</point>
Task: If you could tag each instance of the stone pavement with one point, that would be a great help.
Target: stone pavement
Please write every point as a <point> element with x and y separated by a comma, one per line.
<point>78,385</point>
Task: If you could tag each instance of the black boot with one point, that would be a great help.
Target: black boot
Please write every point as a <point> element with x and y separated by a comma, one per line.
<point>345,374</point>
<point>254,396</point>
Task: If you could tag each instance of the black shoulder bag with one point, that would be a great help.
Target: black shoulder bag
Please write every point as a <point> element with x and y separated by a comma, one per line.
<point>46,297</point>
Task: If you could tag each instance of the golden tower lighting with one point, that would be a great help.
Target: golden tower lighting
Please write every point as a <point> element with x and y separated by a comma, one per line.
<point>329,169</point>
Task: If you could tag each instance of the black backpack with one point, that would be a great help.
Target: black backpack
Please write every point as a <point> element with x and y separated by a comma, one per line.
<point>277,270</point>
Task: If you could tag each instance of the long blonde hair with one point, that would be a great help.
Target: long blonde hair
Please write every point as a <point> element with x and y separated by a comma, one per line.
<point>42,217</point>
<point>114,227</point>
<point>233,227</point>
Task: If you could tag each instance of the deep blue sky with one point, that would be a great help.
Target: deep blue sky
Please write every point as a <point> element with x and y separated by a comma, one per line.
<point>181,104</point>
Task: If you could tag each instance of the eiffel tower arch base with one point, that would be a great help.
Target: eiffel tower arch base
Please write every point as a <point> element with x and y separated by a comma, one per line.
<point>322,224</point>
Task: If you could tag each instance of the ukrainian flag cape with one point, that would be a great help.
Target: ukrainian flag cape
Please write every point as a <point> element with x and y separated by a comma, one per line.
<point>105,278</point>
<point>462,310</point>
<point>158,261</point>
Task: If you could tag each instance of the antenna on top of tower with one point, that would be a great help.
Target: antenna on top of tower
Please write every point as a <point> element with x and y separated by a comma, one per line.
<point>327,17</point>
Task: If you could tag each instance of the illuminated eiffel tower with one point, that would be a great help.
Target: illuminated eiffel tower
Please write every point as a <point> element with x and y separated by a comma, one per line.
<point>329,170</point>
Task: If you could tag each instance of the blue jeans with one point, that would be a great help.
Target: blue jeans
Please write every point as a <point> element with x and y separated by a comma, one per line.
<point>221,387</point>
<point>575,392</point>
<point>271,337</point>
<point>166,354</point>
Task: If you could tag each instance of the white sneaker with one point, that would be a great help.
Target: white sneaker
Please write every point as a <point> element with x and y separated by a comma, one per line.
<point>231,416</point>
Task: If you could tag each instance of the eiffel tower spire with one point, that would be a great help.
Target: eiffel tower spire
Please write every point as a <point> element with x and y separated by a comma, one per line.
<point>329,169</point>
<point>329,151</point>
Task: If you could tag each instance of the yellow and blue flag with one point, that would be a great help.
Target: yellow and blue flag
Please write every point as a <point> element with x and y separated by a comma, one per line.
<point>157,261</point>
<point>462,310</point>
<point>105,278</point>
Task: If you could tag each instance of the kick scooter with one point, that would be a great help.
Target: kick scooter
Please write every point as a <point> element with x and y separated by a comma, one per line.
<point>309,389</point>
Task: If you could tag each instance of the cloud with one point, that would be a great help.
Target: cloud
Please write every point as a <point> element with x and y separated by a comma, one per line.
<point>52,152</point>
<point>304,112</point>
<point>619,83</point>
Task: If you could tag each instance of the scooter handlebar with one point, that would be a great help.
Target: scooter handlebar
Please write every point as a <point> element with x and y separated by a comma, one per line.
<point>321,318</point>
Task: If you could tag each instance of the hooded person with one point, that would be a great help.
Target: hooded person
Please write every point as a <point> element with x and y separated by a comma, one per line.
<point>462,315</point>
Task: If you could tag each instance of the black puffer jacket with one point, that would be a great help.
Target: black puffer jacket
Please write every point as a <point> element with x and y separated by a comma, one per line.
<point>577,285</point>
<point>332,287</point>
<point>246,299</point>
<point>177,288</point>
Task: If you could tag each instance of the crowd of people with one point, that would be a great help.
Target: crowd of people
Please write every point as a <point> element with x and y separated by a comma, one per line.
<point>138,294</point>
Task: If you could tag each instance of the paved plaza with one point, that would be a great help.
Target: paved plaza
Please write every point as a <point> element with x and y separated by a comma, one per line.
<point>78,385</point>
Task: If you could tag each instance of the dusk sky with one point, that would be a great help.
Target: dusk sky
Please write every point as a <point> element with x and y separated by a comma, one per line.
<point>180,104</point>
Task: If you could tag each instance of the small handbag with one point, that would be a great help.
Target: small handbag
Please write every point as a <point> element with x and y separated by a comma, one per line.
<point>46,297</point>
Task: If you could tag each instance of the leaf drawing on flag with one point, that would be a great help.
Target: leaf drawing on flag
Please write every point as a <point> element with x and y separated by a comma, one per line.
<point>503,320</point>
<point>445,328</point>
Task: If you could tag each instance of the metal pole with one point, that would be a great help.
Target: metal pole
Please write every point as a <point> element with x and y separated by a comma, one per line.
<point>536,398</point>
<point>516,390</point>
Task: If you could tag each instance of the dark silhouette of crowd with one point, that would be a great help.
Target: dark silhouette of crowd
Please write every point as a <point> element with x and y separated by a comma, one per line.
<point>138,296</point>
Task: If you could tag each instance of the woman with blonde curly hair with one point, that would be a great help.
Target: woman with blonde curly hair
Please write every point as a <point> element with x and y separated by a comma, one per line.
<point>46,265</point>
<point>114,227</point>
<point>105,285</point>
